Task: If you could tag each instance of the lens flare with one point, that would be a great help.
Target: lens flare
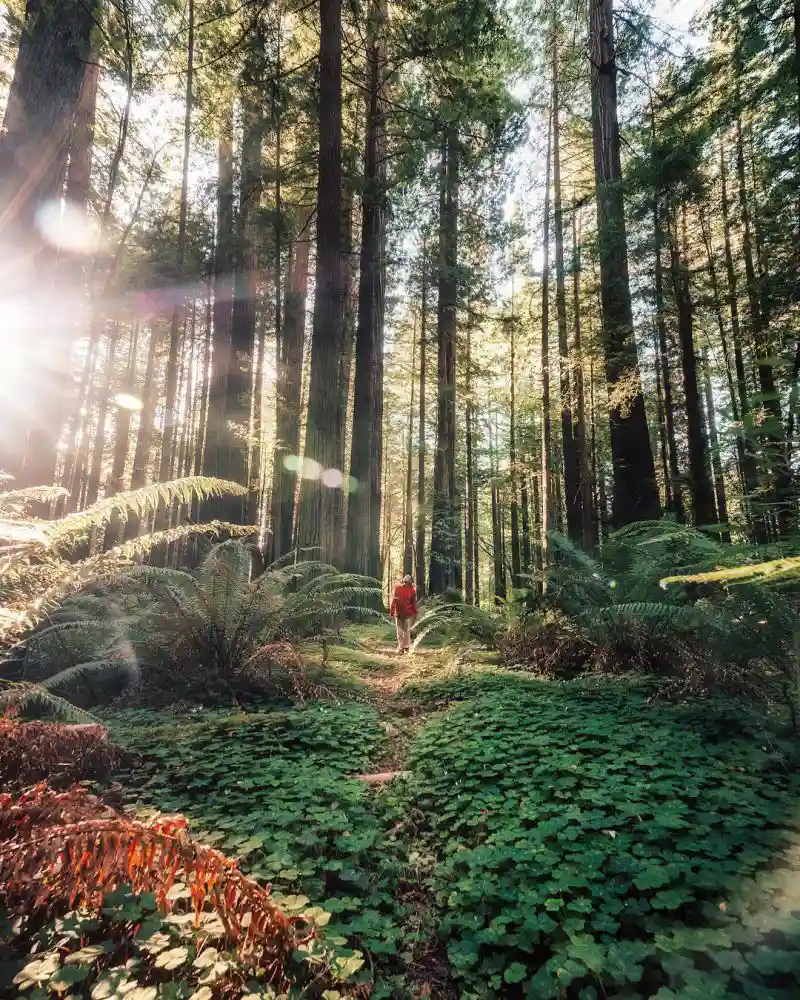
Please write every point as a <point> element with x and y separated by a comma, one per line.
<point>125,401</point>
<point>67,227</point>
<point>332,478</point>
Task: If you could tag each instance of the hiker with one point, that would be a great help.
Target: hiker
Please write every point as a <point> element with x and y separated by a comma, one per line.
<point>404,611</point>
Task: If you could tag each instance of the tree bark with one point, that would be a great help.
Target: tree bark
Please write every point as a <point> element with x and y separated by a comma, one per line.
<point>516,567</point>
<point>675,493</point>
<point>144,435</point>
<point>49,74</point>
<point>122,436</point>
<point>716,459</point>
<point>423,344</point>
<point>408,527</point>
<point>364,504</point>
<point>470,521</point>
<point>772,430</point>
<point>317,503</point>
<point>95,471</point>
<point>547,445</point>
<point>497,521</point>
<point>635,488</point>
<point>588,533</point>
<point>703,509</point>
<point>213,458</point>
<point>445,563</point>
<point>170,414</point>
<point>572,489</point>
<point>289,389</point>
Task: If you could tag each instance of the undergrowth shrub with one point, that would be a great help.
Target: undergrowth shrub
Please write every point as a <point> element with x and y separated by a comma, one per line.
<point>215,634</point>
<point>612,616</point>
<point>588,844</point>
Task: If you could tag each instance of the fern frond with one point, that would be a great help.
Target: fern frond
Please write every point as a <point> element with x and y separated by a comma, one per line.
<point>65,678</point>
<point>300,555</point>
<point>33,698</point>
<point>140,502</point>
<point>292,575</point>
<point>774,571</point>
<point>573,554</point>
<point>135,548</point>
<point>336,581</point>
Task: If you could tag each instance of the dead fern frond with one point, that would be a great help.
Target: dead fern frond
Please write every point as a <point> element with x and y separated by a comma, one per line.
<point>65,848</point>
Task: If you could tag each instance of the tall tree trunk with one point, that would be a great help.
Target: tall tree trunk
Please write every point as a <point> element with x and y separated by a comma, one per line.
<point>408,527</point>
<point>662,431</point>
<point>701,488</point>
<point>423,344</point>
<point>345,378</point>
<point>675,494</point>
<point>147,417</point>
<point>364,510</point>
<point>49,74</point>
<point>317,502</point>
<point>716,459</point>
<point>445,564</point>
<point>179,310</point>
<point>470,522</point>
<point>748,472</point>
<point>498,544</point>
<point>122,436</point>
<point>773,442</point>
<point>548,522</point>
<point>81,147</point>
<point>572,488</point>
<point>213,457</point>
<point>588,534</point>
<point>635,488</point>
<point>289,389</point>
<point>95,472</point>
<point>516,567</point>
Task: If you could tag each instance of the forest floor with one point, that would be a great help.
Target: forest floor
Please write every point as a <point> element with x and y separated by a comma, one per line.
<point>531,838</point>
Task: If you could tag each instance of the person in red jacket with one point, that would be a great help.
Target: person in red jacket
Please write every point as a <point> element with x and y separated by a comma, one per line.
<point>404,611</point>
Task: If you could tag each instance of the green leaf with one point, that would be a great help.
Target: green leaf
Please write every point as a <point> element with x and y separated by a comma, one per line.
<point>515,973</point>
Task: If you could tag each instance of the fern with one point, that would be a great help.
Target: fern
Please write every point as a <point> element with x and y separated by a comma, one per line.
<point>772,571</point>
<point>35,572</point>
<point>140,503</point>
<point>35,699</point>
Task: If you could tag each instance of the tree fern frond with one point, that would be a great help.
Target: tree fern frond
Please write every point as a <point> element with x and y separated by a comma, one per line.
<point>338,581</point>
<point>66,678</point>
<point>575,555</point>
<point>32,698</point>
<point>135,548</point>
<point>300,555</point>
<point>69,529</point>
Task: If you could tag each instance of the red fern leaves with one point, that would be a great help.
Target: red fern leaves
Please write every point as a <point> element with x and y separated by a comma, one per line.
<point>71,847</point>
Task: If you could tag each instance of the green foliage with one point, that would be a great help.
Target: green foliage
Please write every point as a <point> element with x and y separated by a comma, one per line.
<point>205,634</point>
<point>590,844</point>
<point>272,789</point>
<point>38,562</point>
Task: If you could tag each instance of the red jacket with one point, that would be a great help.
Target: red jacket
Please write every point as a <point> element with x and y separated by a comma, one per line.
<point>404,601</point>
